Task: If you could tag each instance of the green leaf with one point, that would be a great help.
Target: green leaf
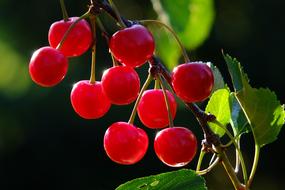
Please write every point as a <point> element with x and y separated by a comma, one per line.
<point>236,72</point>
<point>192,20</point>
<point>219,106</point>
<point>238,119</point>
<point>263,111</point>
<point>218,78</point>
<point>183,179</point>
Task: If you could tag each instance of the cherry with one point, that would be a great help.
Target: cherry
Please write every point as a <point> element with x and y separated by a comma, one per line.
<point>193,82</point>
<point>124,143</point>
<point>78,40</point>
<point>121,84</point>
<point>48,66</point>
<point>88,100</point>
<point>175,146</point>
<point>152,109</point>
<point>132,46</point>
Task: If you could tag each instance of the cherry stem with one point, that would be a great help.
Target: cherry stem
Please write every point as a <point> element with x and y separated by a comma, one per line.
<point>254,165</point>
<point>237,168</point>
<point>183,50</point>
<point>64,11</point>
<point>230,142</point>
<point>106,35</point>
<point>244,171</point>
<point>245,177</point>
<point>229,169</point>
<point>115,62</point>
<point>106,6</point>
<point>104,32</point>
<point>166,101</point>
<point>93,61</point>
<point>200,160</point>
<point>144,87</point>
<point>156,84</point>
<point>205,171</point>
<point>212,159</point>
<point>59,46</point>
<point>117,13</point>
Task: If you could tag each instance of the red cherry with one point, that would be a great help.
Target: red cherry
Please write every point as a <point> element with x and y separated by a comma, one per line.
<point>124,143</point>
<point>48,66</point>
<point>121,84</point>
<point>88,100</point>
<point>132,46</point>
<point>152,109</point>
<point>175,146</point>
<point>78,40</point>
<point>193,82</point>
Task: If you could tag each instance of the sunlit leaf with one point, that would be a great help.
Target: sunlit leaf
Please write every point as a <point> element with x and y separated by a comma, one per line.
<point>262,109</point>
<point>183,179</point>
<point>219,106</point>
<point>264,113</point>
<point>218,78</point>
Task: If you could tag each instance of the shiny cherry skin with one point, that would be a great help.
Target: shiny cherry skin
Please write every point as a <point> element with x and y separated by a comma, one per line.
<point>132,46</point>
<point>175,146</point>
<point>152,109</point>
<point>78,40</point>
<point>48,66</point>
<point>88,100</point>
<point>121,84</point>
<point>193,82</point>
<point>124,143</point>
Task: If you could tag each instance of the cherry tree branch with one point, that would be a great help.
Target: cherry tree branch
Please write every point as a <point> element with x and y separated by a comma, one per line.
<point>211,142</point>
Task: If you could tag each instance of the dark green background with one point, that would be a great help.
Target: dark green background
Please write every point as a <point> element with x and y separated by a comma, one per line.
<point>45,145</point>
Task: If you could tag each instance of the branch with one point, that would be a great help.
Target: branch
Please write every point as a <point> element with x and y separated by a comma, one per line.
<point>211,142</point>
<point>105,5</point>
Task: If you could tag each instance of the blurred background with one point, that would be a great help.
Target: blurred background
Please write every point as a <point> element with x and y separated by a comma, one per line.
<point>45,145</point>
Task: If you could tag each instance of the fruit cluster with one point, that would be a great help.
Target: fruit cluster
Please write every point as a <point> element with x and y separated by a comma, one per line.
<point>131,47</point>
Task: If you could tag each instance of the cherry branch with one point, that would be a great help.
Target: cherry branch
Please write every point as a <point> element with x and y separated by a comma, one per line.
<point>105,5</point>
<point>211,142</point>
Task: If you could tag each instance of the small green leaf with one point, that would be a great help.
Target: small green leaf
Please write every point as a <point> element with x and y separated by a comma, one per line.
<point>236,72</point>
<point>183,179</point>
<point>238,119</point>
<point>219,106</point>
<point>263,111</point>
<point>218,78</point>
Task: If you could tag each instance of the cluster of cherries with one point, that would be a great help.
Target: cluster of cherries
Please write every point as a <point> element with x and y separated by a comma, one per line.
<point>132,46</point>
